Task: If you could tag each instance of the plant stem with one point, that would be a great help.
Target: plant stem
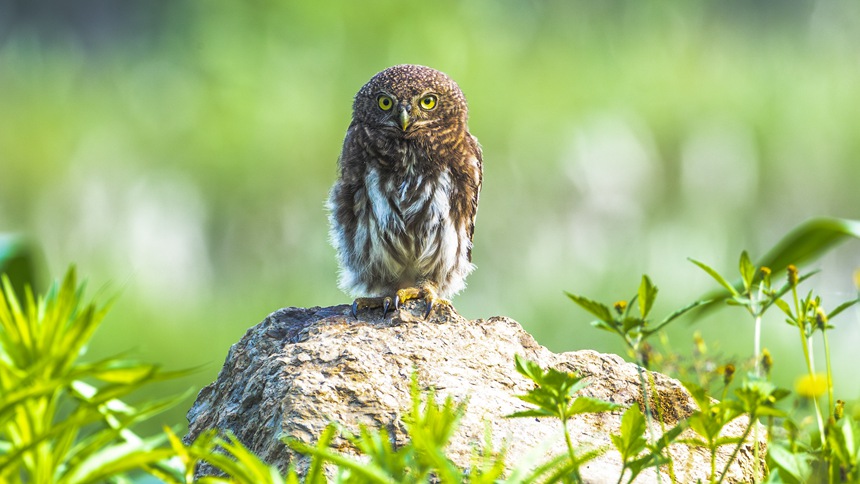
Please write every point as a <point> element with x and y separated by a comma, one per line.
<point>755,453</point>
<point>757,339</point>
<point>811,364</point>
<point>569,443</point>
<point>713,464</point>
<point>801,313</point>
<point>752,422</point>
<point>757,345</point>
<point>829,374</point>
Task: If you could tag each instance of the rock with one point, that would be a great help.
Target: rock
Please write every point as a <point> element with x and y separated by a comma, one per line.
<point>301,368</point>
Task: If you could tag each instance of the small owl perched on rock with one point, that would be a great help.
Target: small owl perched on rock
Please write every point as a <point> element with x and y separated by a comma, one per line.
<point>402,210</point>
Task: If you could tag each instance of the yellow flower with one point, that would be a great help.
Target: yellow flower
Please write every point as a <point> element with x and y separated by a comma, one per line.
<point>811,386</point>
<point>620,306</point>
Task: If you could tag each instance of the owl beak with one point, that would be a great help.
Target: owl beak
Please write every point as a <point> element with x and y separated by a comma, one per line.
<point>404,118</point>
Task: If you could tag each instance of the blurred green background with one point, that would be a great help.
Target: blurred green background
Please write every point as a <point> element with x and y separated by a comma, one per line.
<point>179,153</point>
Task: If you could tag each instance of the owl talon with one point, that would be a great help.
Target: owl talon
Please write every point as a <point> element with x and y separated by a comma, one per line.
<point>386,304</point>
<point>429,308</point>
<point>355,309</point>
<point>433,301</point>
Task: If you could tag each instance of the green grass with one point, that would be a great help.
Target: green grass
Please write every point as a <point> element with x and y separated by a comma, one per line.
<point>186,165</point>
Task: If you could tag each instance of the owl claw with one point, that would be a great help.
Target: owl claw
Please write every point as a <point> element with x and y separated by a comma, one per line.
<point>386,303</point>
<point>355,309</point>
<point>429,302</point>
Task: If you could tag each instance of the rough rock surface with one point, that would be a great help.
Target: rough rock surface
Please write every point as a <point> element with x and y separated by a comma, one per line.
<point>301,368</point>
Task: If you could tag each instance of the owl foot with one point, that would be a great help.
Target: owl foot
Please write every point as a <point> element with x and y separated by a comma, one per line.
<point>370,303</point>
<point>427,293</point>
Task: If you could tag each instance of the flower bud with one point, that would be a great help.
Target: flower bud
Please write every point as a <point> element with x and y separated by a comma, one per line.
<point>820,318</point>
<point>728,374</point>
<point>766,361</point>
<point>792,275</point>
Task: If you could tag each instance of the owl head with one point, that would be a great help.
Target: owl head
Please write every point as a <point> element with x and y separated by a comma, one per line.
<point>409,99</point>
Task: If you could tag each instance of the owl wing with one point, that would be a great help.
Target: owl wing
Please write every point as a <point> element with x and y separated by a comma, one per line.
<point>476,164</point>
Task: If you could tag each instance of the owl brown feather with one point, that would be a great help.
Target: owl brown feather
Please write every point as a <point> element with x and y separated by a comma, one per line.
<point>402,210</point>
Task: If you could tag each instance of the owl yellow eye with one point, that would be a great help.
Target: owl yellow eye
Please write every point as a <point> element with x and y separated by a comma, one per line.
<point>427,102</point>
<point>384,103</point>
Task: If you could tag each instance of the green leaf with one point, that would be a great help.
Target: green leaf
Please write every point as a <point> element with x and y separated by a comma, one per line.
<point>557,382</point>
<point>809,241</point>
<point>747,270</point>
<point>599,324</point>
<point>124,372</point>
<point>590,405</point>
<point>599,310</point>
<point>117,459</point>
<point>367,471</point>
<point>842,307</point>
<point>631,441</point>
<point>535,412</point>
<point>716,275</point>
<point>699,395</point>
<point>795,465</point>
<point>784,307</point>
<point>528,369</point>
<point>647,295</point>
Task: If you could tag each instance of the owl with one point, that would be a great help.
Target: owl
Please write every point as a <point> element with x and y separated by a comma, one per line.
<point>402,210</point>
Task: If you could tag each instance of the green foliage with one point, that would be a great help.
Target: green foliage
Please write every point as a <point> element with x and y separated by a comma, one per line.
<point>66,420</point>
<point>553,397</point>
<point>809,241</point>
<point>553,393</point>
<point>757,396</point>
<point>631,442</point>
<point>828,455</point>
<point>804,243</point>
<point>229,456</point>
<point>62,420</point>
<point>634,330</point>
<point>430,425</point>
